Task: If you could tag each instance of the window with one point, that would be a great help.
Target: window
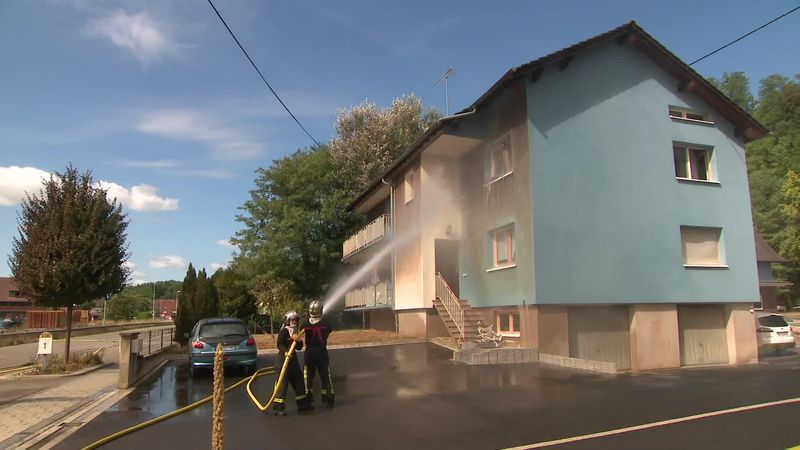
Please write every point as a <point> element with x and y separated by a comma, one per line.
<point>408,186</point>
<point>502,247</point>
<point>701,246</point>
<point>684,114</point>
<point>500,162</point>
<point>693,162</point>
<point>508,324</point>
<point>14,294</point>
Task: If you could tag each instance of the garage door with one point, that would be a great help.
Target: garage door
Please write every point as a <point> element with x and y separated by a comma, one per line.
<point>703,336</point>
<point>600,333</point>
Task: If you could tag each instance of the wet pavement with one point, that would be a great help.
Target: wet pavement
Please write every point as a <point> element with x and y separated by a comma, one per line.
<point>413,396</point>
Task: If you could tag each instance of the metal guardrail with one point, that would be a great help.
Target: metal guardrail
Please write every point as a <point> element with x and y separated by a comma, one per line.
<point>368,296</point>
<point>371,233</point>
<point>154,340</point>
<point>450,303</point>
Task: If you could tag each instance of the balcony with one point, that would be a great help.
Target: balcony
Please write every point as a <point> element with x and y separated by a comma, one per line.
<point>374,232</point>
<point>373,296</point>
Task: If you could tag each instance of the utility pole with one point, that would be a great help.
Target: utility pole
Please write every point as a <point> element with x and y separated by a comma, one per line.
<point>448,73</point>
<point>154,300</point>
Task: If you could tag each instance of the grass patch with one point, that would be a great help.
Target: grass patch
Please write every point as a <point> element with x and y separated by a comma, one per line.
<point>78,361</point>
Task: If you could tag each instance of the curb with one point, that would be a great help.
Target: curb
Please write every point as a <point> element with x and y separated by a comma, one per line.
<point>62,375</point>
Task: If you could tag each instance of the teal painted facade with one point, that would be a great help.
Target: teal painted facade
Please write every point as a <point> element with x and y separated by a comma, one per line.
<point>607,208</point>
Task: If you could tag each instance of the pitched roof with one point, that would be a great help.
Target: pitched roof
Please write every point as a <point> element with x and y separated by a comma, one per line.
<point>628,34</point>
<point>765,252</point>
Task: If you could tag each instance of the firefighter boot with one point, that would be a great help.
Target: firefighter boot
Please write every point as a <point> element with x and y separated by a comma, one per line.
<point>278,407</point>
<point>327,400</point>
<point>305,404</point>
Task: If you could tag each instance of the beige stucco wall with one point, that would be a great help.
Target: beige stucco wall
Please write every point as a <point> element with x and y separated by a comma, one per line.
<point>655,340</point>
<point>440,216</point>
<point>408,269</point>
<point>413,322</point>
<point>382,319</point>
<point>553,330</point>
<point>741,332</point>
<point>434,324</point>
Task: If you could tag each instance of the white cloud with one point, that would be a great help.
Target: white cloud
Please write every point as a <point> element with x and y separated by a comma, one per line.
<point>228,141</point>
<point>16,181</point>
<point>137,33</point>
<point>141,197</point>
<point>215,266</point>
<point>225,243</point>
<point>163,262</point>
<point>135,274</point>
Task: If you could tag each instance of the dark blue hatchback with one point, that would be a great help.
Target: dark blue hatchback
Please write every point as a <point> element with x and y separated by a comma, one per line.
<point>238,346</point>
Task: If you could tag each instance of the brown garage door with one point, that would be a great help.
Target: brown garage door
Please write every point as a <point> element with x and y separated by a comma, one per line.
<point>703,336</point>
<point>600,333</point>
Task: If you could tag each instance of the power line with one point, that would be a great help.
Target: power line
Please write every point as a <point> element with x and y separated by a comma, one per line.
<point>260,74</point>
<point>744,36</point>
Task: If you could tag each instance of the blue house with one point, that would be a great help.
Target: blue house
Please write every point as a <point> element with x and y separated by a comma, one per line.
<point>592,203</point>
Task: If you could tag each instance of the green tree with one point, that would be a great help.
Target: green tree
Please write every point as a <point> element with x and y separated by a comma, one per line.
<point>369,139</point>
<point>235,300</point>
<point>274,297</point>
<point>186,317</point>
<point>295,222</point>
<point>736,85</point>
<point>71,245</point>
<point>206,302</point>
<point>125,306</point>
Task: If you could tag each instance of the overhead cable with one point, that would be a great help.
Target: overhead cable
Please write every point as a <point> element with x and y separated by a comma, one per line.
<point>744,36</point>
<point>260,74</point>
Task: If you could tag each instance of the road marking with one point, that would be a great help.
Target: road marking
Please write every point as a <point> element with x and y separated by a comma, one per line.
<point>654,424</point>
<point>15,369</point>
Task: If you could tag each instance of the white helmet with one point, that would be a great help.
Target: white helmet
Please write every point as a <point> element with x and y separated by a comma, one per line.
<point>290,316</point>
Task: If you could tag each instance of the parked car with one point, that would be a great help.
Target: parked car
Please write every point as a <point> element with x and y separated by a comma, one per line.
<point>773,333</point>
<point>238,346</point>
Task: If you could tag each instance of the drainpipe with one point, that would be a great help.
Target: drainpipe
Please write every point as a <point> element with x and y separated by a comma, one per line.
<point>391,230</point>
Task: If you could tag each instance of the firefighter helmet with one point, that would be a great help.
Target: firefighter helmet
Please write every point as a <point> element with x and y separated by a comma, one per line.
<point>290,316</point>
<point>315,311</point>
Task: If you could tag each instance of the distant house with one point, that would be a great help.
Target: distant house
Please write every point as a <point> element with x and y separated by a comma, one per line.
<point>13,305</point>
<point>592,203</point>
<point>166,308</point>
<point>767,284</point>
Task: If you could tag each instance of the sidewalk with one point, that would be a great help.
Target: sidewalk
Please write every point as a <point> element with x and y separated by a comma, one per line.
<point>24,422</point>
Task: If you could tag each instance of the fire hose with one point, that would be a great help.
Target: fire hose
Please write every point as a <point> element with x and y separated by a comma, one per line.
<point>177,412</point>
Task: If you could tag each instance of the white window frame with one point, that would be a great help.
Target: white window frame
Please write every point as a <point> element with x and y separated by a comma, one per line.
<point>494,247</point>
<point>513,324</point>
<point>500,150</point>
<point>688,150</point>
<point>720,263</point>
<point>687,115</point>
<point>408,186</point>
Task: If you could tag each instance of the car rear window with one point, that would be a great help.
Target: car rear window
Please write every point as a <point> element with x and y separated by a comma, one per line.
<point>219,330</point>
<point>772,321</point>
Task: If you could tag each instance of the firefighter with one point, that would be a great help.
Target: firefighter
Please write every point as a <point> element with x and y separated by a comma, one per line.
<point>289,333</point>
<point>316,358</point>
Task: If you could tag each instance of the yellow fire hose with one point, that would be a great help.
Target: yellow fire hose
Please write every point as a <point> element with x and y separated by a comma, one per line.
<point>177,412</point>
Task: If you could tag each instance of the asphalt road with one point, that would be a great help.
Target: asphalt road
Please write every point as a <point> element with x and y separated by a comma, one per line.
<point>412,396</point>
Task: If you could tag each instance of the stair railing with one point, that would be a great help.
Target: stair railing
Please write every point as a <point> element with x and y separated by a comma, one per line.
<point>450,302</point>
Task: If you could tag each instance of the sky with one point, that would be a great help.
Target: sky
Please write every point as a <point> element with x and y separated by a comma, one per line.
<point>158,102</point>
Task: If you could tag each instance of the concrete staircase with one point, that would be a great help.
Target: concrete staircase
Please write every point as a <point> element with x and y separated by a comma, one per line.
<point>471,318</point>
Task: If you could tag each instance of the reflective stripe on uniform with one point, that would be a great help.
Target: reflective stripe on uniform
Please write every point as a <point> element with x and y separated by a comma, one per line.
<point>278,400</point>
<point>330,380</point>
<point>299,397</point>
<point>305,377</point>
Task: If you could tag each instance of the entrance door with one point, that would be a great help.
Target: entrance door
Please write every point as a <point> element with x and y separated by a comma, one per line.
<point>446,261</point>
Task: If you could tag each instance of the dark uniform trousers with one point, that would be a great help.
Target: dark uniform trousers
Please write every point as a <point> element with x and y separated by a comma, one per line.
<point>293,376</point>
<point>317,361</point>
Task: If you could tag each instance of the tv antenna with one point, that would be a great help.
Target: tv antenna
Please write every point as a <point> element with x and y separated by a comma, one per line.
<point>447,74</point>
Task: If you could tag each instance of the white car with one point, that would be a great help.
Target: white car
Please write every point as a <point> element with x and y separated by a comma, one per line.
<point>773,333</point>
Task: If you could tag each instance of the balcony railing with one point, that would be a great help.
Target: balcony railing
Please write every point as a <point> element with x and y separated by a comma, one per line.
<point>370,234</point>
<point>369,296</point>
